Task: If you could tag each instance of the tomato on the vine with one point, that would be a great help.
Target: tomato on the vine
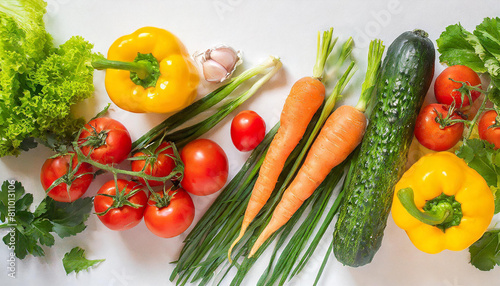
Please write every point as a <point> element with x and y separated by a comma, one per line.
<point>446,89</point>
<point>72,186</point>
<point>438,130</point>
<point>106,139</point>
<point>489,128</point>
<point>169,213</point>
<point>159,163</point>
<point>248,129</point>
<point>205,167</point>
<point>120,205</point>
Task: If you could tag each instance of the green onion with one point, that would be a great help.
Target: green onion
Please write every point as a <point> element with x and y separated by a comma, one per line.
<point>270,66</point>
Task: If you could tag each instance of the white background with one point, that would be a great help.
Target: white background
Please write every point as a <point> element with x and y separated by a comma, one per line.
<point>259,28</point>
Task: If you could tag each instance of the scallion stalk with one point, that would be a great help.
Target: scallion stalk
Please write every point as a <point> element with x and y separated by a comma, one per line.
<point>208,101</point>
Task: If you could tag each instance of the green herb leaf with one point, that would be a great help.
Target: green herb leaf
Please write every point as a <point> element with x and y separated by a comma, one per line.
<point>482,157</point>
<point>455,49</point>
<point>68,218</point>
<point>29,231</point>
<point>485,253</point>
<point>479,50</point>
<point>76,261</point>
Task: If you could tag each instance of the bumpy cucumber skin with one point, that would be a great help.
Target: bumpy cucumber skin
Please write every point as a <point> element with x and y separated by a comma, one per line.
<point>406,75</point>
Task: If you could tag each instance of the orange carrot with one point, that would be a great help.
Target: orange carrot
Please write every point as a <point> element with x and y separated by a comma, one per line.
<point>340,135</point>
<point>305,98</point>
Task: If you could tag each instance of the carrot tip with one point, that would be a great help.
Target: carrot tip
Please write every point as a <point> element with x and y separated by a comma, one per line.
<point>242,232</point>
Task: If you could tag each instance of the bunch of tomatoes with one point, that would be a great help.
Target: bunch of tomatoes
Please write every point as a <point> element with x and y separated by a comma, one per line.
<point>440,126</point>
<point>160,178</point>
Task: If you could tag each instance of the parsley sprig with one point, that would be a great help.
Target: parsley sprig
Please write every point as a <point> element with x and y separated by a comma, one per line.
<point>29,231</point>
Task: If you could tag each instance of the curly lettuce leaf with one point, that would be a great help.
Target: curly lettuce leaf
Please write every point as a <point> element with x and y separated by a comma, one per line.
<point>38,82</point>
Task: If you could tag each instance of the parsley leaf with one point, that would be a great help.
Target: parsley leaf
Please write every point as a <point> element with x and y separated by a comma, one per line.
<point>29,231</point>
<point>485,253</point>
<point>482,157</point>
<point>76,261</point>
<point>455,49</point>
<point>479,50</point>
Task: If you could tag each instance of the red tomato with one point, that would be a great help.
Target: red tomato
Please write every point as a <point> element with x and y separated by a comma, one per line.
<point>72,188</point>
<point>120,216</point>
<point>106,139</point>
<point>444,88</point>
<point>429,133</point>
<point>161,160</point>
<point>205,167</point>
<point>247,130</point>
<point>490,134</point>
<point>173,218</point>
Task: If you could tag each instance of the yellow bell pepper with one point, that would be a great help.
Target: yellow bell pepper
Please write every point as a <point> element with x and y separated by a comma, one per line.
<point>149,70</point>
<point>442,203</point>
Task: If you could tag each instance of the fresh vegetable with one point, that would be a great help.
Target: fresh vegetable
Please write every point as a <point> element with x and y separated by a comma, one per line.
<point>485,254</point>
<point>64,178</point>
<point>439,127</point>
<point>39,83</point>
<point>306,96</point>
<point>169,213</point>
<point>442,203</point>
<point>29,231</point>
<point>405,78</point>
<point>339,136</point>
<point>205,167</point>
<point>449,86</point>
<point>120,204</point>
<point>477,50</point>
<point>149,70</point>
<point>219,63</point>
<point>201,258</point>
<point>106,140</point>
<point>488,127</point>
<point>483,157</point>
<point>75,261</point>
<point>163,131</point>
<point>159,163</point>
<point>247,130</point>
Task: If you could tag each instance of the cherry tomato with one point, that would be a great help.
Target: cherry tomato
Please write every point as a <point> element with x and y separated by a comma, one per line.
<point>247,130</point>
<point>490,134</point>
<point>72,188</point>
<point>171,217</point>
<point>121,215</point>
<point>205,167</point>
<point>161,160</point>
<point>106,139</point>
<point>444,88</point>
<point>429,132</point>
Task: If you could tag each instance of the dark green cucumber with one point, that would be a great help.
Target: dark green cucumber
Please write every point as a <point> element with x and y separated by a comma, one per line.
<point>405,77</point>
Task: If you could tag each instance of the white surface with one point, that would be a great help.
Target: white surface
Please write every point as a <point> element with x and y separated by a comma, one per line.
<point>283,28</point>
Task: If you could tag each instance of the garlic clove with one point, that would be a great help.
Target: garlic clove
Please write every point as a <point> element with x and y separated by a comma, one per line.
<point>213,71</point>
<point>226,56</point>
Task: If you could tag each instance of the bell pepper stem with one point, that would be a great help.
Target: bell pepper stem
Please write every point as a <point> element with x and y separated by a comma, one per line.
<point>406,198</point>
<point>142,68</point>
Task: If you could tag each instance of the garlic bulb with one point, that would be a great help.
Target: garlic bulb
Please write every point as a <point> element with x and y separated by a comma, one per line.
<point>219,63</point>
